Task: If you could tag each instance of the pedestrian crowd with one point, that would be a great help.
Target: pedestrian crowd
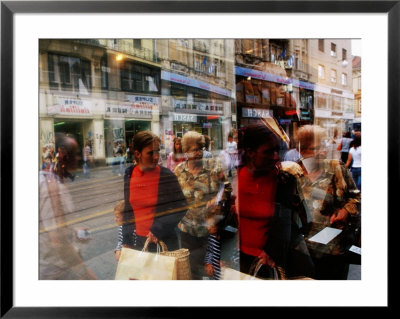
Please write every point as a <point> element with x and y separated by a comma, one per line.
<point>272,207</point>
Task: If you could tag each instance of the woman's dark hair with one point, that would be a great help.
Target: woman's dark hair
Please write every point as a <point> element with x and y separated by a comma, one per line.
<point>347,134</point>
<point>69,149</point>
<point>253,136</point>
<point>143,139</point>
<point>175,154</point>
<point>356,141</point>
<point>174,141</point>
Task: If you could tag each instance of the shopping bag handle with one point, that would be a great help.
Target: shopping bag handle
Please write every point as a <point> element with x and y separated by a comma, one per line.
<point>255,267</point>
<point>279,273</point>
<point>161,246</point>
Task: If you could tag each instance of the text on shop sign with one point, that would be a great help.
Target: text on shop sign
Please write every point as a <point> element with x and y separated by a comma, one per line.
<point>185,117</point>
<point>70,106</point>
<point>199,106</point>
<point>248,112</point>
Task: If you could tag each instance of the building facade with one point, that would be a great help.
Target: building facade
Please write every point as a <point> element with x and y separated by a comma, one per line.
<point>332,74</point>
<point>105,91</point>
<point>357,91</point>
<point>273,80</point>
<point>196,88</point>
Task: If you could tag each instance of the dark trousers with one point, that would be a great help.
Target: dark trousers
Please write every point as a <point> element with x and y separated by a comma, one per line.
<point>197,247</point>
<point>356,173</point>
<point>344,156</point>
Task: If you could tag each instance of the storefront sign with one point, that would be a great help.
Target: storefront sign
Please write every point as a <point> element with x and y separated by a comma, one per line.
<point>179,67</point>
<point>333,115</point>
<point>260,75</point>
<point>333,91</point>
<point>304,84</point>
<point>265,76</point>
<point>292,112</point>
<point>68,106</point>
<point>144,99</point>
<point>250,112</point>
<point>199,107</point>
<point>213,117</point>
<point>179,117</point>
<point>176,78</point>
<point>305,115</point>
<point>139,107</point>
<point>252,99</point>
<point>285,122</point>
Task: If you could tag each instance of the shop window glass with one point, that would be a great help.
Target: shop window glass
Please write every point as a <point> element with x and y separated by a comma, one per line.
<point>344,79</point>
<point>347,105</point>
<point>321,72</point>
<point>321,100</point>
<point>336,103</point>
<point>213,87</point>
<point>333,76</point>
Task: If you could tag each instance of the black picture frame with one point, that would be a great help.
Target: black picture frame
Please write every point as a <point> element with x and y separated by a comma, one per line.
<point>9,8</point>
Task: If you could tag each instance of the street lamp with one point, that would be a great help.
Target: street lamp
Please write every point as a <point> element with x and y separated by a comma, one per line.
<point>119,57</point>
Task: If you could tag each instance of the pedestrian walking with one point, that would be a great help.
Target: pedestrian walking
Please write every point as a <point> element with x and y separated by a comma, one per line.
<point>200,179</point>
<point>87,159</point>
<point>264,191</point>
<point>330,198</point>
<point>344,147</point>
<point>154,202</point>
<point>176,156</point>
<point>354,160</point>
<point>58,257</point>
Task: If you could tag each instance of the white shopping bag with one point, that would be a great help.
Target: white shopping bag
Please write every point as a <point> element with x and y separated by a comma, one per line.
<point>142,265</point>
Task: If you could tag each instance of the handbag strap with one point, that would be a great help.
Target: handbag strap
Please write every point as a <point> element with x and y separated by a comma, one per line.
<point>161,246</point>
<point>279,272</point>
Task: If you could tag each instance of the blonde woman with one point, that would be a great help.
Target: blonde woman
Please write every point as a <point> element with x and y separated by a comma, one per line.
<point>200,179</point>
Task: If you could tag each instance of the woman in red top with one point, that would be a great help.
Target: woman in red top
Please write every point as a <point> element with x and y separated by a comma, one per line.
<point>154,202</point>
<point>263,202</point>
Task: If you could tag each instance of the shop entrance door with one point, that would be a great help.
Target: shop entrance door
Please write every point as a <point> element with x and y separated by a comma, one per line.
<point>132,127</point>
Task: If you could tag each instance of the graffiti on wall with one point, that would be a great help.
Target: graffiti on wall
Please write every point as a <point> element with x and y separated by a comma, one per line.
<point>47,138</point>
<point>118,133</point>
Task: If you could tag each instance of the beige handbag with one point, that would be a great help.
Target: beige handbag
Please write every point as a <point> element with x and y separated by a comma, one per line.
<point>142,265</point>
<point>232,274</point>
<point>182,262</point>
<point>279,272</point>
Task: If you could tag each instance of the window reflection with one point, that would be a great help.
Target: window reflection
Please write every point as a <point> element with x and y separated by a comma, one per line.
<point>277,124</point>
